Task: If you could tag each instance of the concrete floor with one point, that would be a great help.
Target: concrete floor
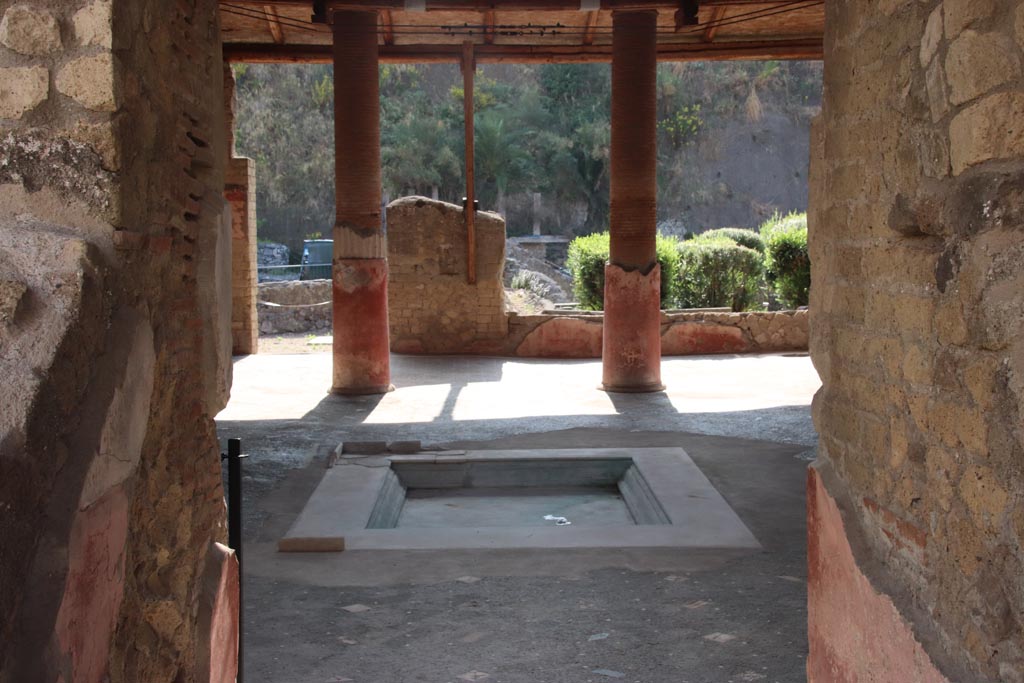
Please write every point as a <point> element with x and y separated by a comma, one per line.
<point>528,616</point>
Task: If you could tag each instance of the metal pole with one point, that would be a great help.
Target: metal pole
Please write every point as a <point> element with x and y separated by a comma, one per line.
<point>235,534</point>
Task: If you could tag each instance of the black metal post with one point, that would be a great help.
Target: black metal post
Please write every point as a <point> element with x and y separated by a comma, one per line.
<point>234,458</point>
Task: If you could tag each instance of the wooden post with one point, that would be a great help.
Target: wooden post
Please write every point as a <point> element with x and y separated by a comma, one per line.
<point>468,70</point>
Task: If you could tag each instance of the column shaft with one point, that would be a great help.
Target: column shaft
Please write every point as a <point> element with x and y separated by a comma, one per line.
<point>632,317</point>
<point>360,270</point>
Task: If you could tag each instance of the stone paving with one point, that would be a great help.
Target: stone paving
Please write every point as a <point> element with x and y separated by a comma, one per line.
<point>529,616</point>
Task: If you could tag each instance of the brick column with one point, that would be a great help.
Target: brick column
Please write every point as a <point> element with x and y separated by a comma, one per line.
<point>632,308</point>
<point>361,347</point>
<point>240,193</point>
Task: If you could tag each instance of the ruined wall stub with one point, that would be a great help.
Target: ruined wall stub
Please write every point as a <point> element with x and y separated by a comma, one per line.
<point>114,340</point>
<point>917,241</point>
<point>432,308</point>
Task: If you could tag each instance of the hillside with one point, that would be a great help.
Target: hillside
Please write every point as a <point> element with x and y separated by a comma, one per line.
<point>733,142</point>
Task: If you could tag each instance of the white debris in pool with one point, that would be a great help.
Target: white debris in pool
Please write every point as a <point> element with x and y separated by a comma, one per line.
<point>559,521</point>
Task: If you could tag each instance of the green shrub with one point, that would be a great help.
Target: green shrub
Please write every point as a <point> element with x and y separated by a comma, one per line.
<point>588,256</point>
<point>741,236</point>
<point>586,260</point>
<point>716,272</point>
<point>787,261</point>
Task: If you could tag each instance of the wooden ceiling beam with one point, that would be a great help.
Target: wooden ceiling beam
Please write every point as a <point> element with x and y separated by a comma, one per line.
<point>803,48</point>
<point>588,32</point>
<point>717,14</point>
<point>388,23</point>
<point>502,5</point>
<point>274,24</point>
<point>489,27</point>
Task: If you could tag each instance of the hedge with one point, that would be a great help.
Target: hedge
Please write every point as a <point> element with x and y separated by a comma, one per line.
<point>716,272</point>
<point>787,260</point>
<point>741,236</point>
<point>588,256</point>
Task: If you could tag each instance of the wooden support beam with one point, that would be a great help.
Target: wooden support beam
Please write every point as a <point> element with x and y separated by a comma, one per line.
<point>274,23</point>
<point>717,14</point>
<point>489,27</point>
<point>268,53</point>
<point>388,24</point>
<point>469,211</point>
<point>502,5</point>
<point>591,26</point>
<point>512,5</point>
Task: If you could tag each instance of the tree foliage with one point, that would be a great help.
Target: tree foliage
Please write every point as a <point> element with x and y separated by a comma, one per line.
<point>539,129</point>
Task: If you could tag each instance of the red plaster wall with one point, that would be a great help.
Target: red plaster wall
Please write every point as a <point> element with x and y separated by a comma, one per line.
<point>94,588</point>
<point>855,633</point>
<point>685,339</point>
<point>563,338</point>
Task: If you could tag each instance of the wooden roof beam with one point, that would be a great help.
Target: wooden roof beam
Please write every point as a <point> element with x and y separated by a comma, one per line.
<point>801,48</point>
<point>388,24</point>
<point>500,5</point>
<point>717,14</point>
<point>274,24</point>
<point>489,27</point>
<point>591,26</point>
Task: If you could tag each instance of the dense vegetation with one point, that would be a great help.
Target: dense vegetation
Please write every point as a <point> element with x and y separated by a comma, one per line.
<point>787,260</point>
<point>589,254</point>
<point>736,268</point>
<point>538,129</point>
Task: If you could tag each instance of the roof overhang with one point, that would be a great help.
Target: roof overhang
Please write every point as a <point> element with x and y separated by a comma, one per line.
<point>524,31</point>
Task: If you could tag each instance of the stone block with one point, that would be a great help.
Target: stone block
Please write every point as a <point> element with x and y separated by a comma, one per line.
<point>93,24</point>
<point>90,82</point>
<point>932,36</point>
<point>938,92</point>
<point>983,495</point>
<point>989,129</point>
<point>11,294</point>
<point>29,30</point>
<point>22,89</point>
<point>976,63</point>
<point>124,427</point>
<point>1018,25</point>
<point>959,14</point>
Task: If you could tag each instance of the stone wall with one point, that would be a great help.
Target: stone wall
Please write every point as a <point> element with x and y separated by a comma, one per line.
<point>432,308</point>
<point>917,241</point>
<point>295,306</point>
<point>115,338</point>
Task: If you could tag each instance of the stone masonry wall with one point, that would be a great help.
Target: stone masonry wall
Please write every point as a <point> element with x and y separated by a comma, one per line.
<point>432,308</point>
<point>917,241</point>
<point>114,342</point>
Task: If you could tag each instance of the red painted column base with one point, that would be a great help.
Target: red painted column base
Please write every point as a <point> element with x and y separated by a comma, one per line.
<point>362,356</point>
<point>632,330</point>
